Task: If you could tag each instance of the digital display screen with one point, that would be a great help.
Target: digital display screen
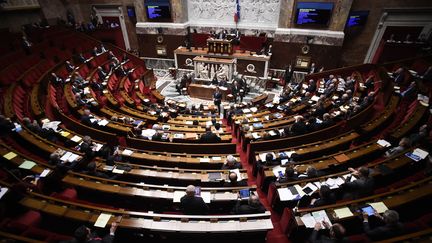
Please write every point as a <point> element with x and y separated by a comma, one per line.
<point>131,11</point>
<point>357,18</point>
<point>313,13</point>
<point>158,12</point>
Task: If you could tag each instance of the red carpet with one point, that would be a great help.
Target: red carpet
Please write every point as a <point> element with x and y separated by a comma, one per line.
<point>275,235</point>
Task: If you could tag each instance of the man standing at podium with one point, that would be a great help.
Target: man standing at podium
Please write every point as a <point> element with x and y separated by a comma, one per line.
<point>217,98</point>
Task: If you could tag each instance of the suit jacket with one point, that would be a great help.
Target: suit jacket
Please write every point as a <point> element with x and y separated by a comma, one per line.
<point>247,209</point>
<point>217,97</point>
<point>193,205</point>
<point>383,232</point>
<point>315,237</point>
<point>209,137</point>
<point>299,128</point>
<point>359,188</point>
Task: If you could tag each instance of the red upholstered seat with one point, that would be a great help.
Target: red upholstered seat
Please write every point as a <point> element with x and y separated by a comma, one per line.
<point>361,238</point>
<point>271,194</point>
<point>287,221</point>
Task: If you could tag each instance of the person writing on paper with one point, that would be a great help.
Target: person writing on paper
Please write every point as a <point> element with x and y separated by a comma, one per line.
<point>83,234</point>
<point>336,233</point>
<point>253,206</point>
<point>233,181</point>
<point>191,204</point>
<point>231,163</point>
<point>391,228</point>
<point>404,143</point>
<point>361,187</point>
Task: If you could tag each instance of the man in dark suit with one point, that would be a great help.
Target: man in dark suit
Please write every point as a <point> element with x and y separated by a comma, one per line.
<point>252,207</point>
<point>191,204</point>
<point>391,228</point>
<point>209,137</point>
<point>361,187</point>
<point>326,197</point>
<point>217,98</point>
<point>233,181</point>
<point>288,74</point>
<point>84,235</point>
<point>299,127</point>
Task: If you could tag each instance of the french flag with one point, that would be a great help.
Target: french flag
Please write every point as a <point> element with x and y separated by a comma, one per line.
<point>237,13</point>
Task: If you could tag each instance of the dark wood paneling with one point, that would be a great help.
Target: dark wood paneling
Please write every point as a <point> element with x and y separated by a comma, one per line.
<point>286,53</point>
<point>147,44</point>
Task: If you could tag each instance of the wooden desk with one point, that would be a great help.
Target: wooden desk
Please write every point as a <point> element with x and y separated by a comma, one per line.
<point>205,91</point>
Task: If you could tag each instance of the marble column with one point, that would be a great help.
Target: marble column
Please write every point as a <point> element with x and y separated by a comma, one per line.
<point>340,14</point>
<point>286,13</point>
<point>179,11</point>
<point>140,13</point>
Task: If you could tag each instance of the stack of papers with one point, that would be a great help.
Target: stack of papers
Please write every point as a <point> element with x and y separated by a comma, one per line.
<point>383,143</point>
<point>102,220</point>
<point>45,173</point>
<point>127,152</point>
<point>76,138</point>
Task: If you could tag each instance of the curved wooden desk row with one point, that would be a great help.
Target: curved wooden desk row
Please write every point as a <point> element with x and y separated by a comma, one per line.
<point>313,150</point>
<point>340,159</point>
<point>322,134</point>
<point>381,178</point>
<point>150,221</point>
<point>413,121</point>
<point>392,199</point>
<point>181,160</point>
<point>392,164</point>
<point>148,191</point>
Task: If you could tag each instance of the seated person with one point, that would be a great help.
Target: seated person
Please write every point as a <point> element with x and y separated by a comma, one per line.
<point>191,204</point>
<point>361,187</point>
<point>87,147</point>
<point>69,66</point>
<point>91,170</point>
<point>288,176</point>
<point>327,121</point>
<point>209,137</point>
<point>311,172</point>
<point>86,118</point>
<point>326,197</point>
<point>231,163</point>
<point>84,234</point>
<point>253,206</point>
<point>299,127</point>
<point>6,126</point>
<point>270,160</point>
<point>404,143</point>
<point>391,228</point>
<point>157,136</point>
<point>233,181</point>
<point>336,233</point>
<point>33,126</point>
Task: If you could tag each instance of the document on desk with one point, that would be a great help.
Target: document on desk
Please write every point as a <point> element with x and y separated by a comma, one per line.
<point>3,191</point>
<point>102,220</point>
<point>383,143</point>
<point>226,196</point>
<point>10,155</point>
<point>344,212</point>
<point>45,173</point>
<point>380,207</point>
<point>76,138</point>
<point>286,195</point>
<point>127,152</point>
<point>278,169</point>
<point>27,164</point>
<point>206,196</point>
<point>178,195</point>
<point>321,216</point>
<point>164,225</point>
<point>308,220</point>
